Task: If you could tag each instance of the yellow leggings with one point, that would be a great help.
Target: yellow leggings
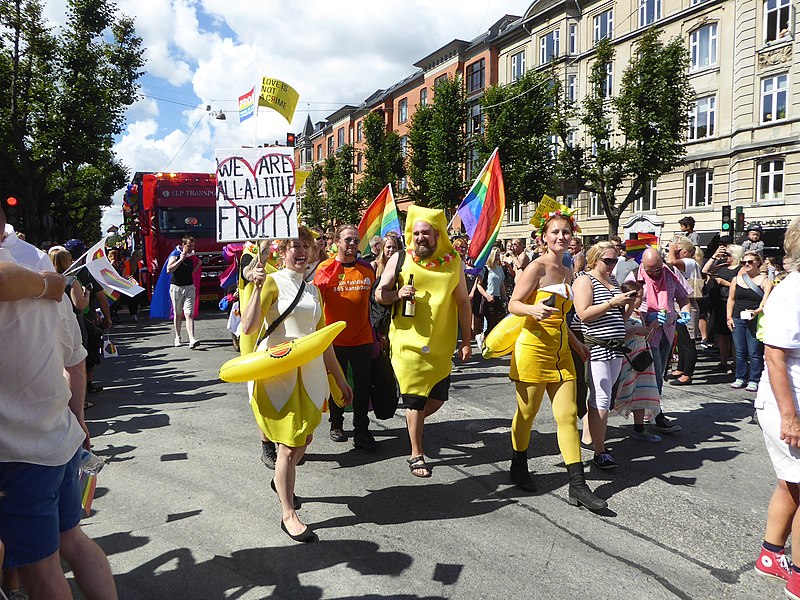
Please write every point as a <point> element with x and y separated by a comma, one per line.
<point>565,410</point>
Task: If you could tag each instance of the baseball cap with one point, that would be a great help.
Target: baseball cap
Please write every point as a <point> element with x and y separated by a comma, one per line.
<point>75,247</point>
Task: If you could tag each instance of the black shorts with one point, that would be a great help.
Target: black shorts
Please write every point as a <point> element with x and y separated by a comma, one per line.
<point>440,392</point>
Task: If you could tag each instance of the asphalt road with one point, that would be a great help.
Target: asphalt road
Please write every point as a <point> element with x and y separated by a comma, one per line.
<point>184,508</point>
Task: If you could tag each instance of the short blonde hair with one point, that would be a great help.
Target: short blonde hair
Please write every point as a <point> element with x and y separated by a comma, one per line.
<point>595,252</point>
<point>735,252</point>
<point>61,260</point>
<point>684,243</point>
<point>791,246</point>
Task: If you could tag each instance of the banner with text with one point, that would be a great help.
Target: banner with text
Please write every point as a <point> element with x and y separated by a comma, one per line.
<point>256,194</point>
<point>279,96</point>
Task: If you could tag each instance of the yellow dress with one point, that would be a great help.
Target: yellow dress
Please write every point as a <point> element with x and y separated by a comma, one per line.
<point>422,346</point>
<point>288,408</point>
<point>541,353</point>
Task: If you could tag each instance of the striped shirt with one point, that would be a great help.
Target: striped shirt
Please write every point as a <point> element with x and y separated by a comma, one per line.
<point>609,326</point>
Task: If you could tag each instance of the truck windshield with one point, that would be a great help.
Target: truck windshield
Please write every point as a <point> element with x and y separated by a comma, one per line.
<point>178,221</point>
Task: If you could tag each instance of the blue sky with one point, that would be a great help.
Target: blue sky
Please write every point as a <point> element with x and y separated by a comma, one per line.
<point>202,52</point>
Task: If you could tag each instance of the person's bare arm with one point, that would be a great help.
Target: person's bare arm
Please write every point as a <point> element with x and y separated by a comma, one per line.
<point>335,369</point>
<point>385,293</point>
<point>174,262</point>
<point>768,285</point>
<point>729,306</point>
<point>18,282</point>
<point>587,311</point>
<point>464,317</point>
<point>79,295</point>
<point>524,288</point>
<point>251,313</point>
<point>76,379</point>
<point>102,300</point>
<point>672,257</point>
<point>781,388</point>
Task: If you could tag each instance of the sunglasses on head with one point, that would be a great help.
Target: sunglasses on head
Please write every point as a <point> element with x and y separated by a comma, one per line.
<point>608,261</point>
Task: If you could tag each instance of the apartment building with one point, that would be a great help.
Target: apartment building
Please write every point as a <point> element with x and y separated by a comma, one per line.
<point>743,143</point>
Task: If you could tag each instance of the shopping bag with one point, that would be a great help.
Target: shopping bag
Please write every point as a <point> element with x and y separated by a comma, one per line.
<point>110,349</point>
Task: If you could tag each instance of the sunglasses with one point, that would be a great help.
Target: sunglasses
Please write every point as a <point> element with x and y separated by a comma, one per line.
<point>608,261</point>
<point>749,262</point>
<point>351,240</point>
<point>655,270</point>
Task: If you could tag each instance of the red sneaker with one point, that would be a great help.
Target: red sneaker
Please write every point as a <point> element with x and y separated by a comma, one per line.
<point>775,564</point>
<point>792,589</point>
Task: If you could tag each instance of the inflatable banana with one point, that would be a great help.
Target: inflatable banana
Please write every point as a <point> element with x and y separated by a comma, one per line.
<point>502,338</point>
<point>336,392</point>
<point>281,358</point>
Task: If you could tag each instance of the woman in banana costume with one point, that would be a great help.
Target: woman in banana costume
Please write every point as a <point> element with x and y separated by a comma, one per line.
<point>289,407</point>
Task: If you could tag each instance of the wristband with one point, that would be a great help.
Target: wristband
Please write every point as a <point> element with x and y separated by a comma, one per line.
<point>44,291</point>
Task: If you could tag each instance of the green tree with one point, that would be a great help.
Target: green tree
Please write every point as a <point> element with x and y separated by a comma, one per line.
<point>518,118</point>
<point>384,158</point>
<point>419,154</point>
<point>314,211</point>
<point>651,115</point>
<point>447,146</point>
<point>343,206</point>
<point>66,97</point>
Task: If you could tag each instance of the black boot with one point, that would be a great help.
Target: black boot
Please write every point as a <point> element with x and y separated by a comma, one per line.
<point>579,492</point>
<point>519,471</point>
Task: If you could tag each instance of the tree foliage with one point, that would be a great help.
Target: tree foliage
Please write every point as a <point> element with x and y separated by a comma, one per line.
<point>637,136</point>
<point>384,158</point>
<point>418,158</point>
<point>343,206</point>
<point>67,91</point>
<point>518,121</point>
<point>314,213</point>
<point>446,146</point>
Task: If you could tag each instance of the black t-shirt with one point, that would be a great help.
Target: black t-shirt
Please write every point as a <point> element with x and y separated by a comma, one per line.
<point>183,274</point>
<point>728,274</point>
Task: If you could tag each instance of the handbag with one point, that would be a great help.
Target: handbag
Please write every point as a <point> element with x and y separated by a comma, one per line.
<point>696,284</point>
<point>384,391</point>
<point>642,361</point>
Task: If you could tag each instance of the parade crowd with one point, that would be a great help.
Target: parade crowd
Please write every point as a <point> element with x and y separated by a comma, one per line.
<point>598,330</point>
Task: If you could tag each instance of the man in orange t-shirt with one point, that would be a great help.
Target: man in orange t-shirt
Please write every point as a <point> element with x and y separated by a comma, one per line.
<point>345,284</point>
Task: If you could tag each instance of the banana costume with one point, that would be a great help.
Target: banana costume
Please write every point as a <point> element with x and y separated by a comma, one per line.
<point>422,346</point>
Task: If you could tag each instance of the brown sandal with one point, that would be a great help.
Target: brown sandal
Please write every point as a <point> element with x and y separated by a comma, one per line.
<point>417,463</point>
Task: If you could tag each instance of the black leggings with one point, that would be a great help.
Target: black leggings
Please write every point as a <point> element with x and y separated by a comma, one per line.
<point>687,351</point>
<point>360,359</point>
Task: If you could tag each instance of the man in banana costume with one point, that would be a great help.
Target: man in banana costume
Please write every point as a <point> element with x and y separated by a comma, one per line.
<point>422,345</point>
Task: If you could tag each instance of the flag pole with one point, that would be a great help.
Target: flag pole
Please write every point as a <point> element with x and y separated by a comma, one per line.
<point>255,116</point>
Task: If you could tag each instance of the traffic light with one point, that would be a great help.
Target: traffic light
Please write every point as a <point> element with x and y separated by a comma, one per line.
<point>11,206</point>
<point>290,139</point>
<point>740,219</point>
<point>727,222</point>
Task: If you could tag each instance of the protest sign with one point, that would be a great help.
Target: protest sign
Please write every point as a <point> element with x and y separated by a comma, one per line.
<point>256,195</point>
<point>279,96</point>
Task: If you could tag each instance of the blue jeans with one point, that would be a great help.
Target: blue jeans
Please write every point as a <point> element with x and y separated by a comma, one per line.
<point>749,351</point>
<point>661,356</point>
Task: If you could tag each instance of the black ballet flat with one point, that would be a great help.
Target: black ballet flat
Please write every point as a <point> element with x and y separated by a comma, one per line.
<point>295,500</point>
<point>306,537</point>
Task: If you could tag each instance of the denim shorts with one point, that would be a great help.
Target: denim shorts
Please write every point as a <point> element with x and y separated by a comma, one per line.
<point>37,504</point>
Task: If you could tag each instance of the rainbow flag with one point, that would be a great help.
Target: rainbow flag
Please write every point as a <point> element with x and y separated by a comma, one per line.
<point>379,219</point>
<point>481,211</point>
<point>635,248</point>
<point>88,483</point>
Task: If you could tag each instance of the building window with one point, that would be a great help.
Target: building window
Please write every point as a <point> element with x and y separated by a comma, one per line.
<point>514,213</point>
<point>330,146</point>
<point>359,163</point>
<point>572,88</point>
<point>438,81</point>
<point>569,200</point>
<point>603,25</point>
<point>360,131</point>
<point>404,185</point>
<point>648,200</point>
<point>649,12</point>
<point>773,98</point>
<point>776,20</point>
<point>699,188</point>
<point>703,47</point>
<point>571,138</point>
<point>553,139</point>
<point>475,76</point>
<point>404,145</point>
<point>549,47</point>
<point>402,111</point>
<point>608,84</point>
<point>770,180</point>
<point>340,138</point>
<point>423,96</point>
<point>475,120</point>
<point>517,65</point>
<point>703,118</point>
<point>573,39</point>
<point>696,2</point>
<point>472,162</point>
<point>319,152</point>
<point>595,206</point>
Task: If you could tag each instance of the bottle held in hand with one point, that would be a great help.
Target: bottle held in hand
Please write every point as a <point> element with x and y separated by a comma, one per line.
<point>409,304</point>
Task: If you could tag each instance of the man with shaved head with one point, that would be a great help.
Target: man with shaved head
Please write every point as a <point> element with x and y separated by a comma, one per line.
<point>663,290</point>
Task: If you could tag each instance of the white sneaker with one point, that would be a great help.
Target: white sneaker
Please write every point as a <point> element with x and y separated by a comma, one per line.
<point>752,387</point>
<point>177,341</point>
<point>193,343</point>
<point>479,341</point>
<point>738,384</point>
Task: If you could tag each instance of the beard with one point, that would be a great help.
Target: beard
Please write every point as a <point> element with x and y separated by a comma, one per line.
<point>424,251</point>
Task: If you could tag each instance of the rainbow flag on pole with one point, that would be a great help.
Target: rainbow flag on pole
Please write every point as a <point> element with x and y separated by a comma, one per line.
<point>481,211</point>
<point>635,248</point>
<point>379,219</point>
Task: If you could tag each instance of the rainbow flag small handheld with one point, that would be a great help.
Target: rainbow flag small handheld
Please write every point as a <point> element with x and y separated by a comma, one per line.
<point>379,219</point>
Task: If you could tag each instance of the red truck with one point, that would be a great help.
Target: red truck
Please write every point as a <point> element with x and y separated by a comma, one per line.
<point>172,205</point>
